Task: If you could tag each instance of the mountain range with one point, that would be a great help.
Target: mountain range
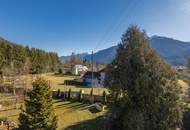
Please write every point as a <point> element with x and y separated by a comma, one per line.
<point>174,52</point>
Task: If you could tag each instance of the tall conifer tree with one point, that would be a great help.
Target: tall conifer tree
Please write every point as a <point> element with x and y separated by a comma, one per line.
<point>147,96</point>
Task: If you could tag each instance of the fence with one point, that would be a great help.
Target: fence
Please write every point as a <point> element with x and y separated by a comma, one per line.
<point>12,90</point>
<point>77,95</point>
<point>9,102</point>
<point>74,82</point>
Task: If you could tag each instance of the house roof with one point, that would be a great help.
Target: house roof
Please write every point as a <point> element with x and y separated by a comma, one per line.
<point>102,70</point>
<point>88,74</point>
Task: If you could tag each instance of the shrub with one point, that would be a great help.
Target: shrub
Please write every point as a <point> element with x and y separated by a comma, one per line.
<point>58,93</point>
<point>104,96</point>
<point>80,95</point>
<point>92,96</point>
<point>60,71</point>
<point>69,95</point>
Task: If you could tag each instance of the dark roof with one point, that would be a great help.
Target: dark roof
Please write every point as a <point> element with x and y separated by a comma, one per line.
<point>102,70</point>
<point>88,74</point>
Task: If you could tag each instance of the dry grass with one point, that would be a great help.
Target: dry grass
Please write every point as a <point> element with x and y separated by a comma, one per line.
<point>72,113</point>
<point>55,80</point>
<point>69,113</point>
<point>56,83</point>
<point>184,86</point>
<point>11,114</point>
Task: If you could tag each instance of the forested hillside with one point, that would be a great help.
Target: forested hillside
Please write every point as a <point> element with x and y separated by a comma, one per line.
<point>179,51</point>
<point>17,59</point>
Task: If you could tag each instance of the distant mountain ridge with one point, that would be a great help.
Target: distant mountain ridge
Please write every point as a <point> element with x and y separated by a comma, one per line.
<point>103,56</point>
<point>173,51</point>
<point>66,58</point>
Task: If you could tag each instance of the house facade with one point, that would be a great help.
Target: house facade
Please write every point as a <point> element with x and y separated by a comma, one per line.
<point>79,69</point>
<point>98,78</point>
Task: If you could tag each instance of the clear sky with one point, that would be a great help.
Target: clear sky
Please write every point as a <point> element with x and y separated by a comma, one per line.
<point>66,26</point>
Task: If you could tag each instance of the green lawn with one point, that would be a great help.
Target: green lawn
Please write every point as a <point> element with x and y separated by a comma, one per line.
<point>71,115</point>
<point>75,115</point>
<point>57,82</point>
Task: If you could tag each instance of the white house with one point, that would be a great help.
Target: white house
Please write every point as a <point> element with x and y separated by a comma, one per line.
<point>98,78</point>
<point>80,68</point>
<point>180,68</point>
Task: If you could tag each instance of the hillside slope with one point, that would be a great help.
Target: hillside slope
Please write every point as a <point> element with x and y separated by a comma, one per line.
<point>174,52</point>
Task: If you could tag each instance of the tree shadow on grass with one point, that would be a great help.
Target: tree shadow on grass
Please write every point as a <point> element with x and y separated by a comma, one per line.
<point>77,106</point>
<point>57,101</point>
<point>61,84</point>
<point>94,124</point>
<point>87,107</point>
<point>62,75</point>
<point>93,110</point>
<point>63,104</point>
<point>72,105</point>
<point>76,85</point>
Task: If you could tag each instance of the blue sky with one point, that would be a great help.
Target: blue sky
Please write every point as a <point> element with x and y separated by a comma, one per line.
<point>66,26</point>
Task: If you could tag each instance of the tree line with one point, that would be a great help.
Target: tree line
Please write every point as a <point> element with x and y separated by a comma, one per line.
<point>18,59</point>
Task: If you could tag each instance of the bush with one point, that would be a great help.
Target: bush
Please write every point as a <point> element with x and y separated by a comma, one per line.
<point>58,93</point>
<point>104,97</point>
<point>69,95</point>
<point>60,71</point>
<point>91,92</point>
<point>80,95</point>
<point>92,96</point>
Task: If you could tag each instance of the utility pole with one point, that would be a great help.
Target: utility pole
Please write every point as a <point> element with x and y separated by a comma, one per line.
<point>92,69</point>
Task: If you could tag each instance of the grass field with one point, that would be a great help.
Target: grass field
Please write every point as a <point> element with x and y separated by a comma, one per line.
<point>57,82</point>
<point>184,85</point>
<point>73,115</point>
<point>69,115</point>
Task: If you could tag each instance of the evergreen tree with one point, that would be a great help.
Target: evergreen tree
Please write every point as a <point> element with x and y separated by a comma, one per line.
<point>92,96</point>
<point>104,97</point>
<point>91,92</point>
<point>58,93</point>
<point>38,113</point>
<point>69,95</point>
<point>17,59</point>
<point>145,89</point>
<point>80,95</point>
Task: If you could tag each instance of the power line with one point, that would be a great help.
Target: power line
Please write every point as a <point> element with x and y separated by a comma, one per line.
<point>110,28</point>
<point>131,17</point>
<point>122,20</point>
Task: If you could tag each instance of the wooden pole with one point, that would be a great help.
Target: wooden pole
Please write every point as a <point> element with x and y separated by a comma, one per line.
<point>92,69</point>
